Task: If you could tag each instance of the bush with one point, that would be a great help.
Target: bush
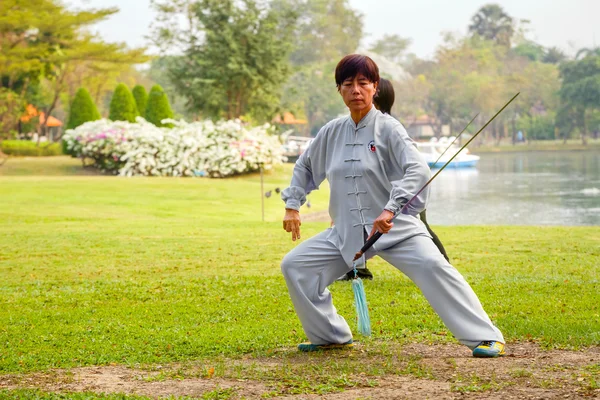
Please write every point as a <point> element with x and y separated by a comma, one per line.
<point>122,105</point>
<point>538,127</point>
<point>158,108</point>
<point>82,110</point>
<point>141,99</point>
<point>31,149</point>
<point>201,148</point>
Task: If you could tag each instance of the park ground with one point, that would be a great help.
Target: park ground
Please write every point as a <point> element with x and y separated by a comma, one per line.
<point>135,288</point>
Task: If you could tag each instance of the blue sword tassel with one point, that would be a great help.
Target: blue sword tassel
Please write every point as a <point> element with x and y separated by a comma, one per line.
<point>360,301</point>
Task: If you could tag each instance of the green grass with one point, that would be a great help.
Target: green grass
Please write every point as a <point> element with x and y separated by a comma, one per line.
<point>32,394</point>
<point>99,270</point>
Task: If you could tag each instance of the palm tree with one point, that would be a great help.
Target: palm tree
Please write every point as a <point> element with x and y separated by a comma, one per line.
<point>492,23</point>
<point>587,51</point>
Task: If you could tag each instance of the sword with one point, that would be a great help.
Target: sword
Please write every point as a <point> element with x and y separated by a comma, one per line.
<point>378,234</point>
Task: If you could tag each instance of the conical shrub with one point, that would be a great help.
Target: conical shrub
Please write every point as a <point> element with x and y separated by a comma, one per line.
<point>122,105</point>
<point>158,107</point>
<point>82,109</point>
<point>141,99</point>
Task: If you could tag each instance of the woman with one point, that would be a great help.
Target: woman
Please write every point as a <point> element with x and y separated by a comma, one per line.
<point>373,169</point>
<point>384,100</point>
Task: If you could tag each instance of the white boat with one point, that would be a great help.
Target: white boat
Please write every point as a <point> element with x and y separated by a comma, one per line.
<point>434,148</point>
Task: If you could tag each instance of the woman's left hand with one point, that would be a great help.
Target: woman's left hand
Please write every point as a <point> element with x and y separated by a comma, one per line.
<point>383,223</point>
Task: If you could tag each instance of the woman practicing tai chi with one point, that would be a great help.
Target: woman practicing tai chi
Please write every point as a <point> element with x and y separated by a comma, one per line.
<point>373,169</point>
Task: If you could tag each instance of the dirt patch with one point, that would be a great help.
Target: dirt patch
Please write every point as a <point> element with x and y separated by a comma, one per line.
<point>409,372</point>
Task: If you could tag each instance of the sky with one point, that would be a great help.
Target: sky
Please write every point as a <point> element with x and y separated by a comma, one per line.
<point>567,24</point>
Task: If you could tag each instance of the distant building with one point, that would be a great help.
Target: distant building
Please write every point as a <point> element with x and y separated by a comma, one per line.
<point>421,127</point>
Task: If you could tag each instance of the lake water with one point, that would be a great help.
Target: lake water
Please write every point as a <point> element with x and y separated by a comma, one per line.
<point>537,188</point>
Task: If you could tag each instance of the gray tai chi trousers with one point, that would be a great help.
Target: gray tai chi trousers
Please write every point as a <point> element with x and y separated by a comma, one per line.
<point>316,263</point>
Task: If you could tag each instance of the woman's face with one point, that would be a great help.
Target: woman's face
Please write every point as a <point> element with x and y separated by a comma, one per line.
<point>358,93</point>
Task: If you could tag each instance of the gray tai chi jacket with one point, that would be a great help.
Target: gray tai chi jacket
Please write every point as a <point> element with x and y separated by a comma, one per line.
<point>370,166</point>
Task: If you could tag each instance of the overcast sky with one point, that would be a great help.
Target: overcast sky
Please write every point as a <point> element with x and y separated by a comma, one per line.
<point>568,24</point>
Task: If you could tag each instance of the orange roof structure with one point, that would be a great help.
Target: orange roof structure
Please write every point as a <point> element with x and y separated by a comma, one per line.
<point>31,112</point>
<point>51,120</point>
<point>289,119</point>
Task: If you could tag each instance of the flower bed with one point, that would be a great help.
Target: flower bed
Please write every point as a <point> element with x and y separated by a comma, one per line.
<point>200,148</point>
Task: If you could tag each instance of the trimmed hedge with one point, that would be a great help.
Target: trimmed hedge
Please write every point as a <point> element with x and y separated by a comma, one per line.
<point>82,109</point>
<point>158,107</point>
<point>141,99</point>
<point>122,105</point>
<point>29,148</point>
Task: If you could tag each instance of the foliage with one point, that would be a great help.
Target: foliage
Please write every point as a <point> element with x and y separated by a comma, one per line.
<point>82,109</point>
<point>580,91</point>
<point>393,47</point>
<point>240,64</point>
<point>11,108</point>
<point>554,55</point>
<point>326,30</point>
<point>200,148</point>
<point>491,22</point>
<point>46,52</point>
<point>158,107</point>
<point>159,72</point>
<point>538,127</point>
<point>530,50</point>
<point>30,149</point>
<point>470,75</point>
<point>311,92</point>
<point>122,105</point>
<point>141,100</point>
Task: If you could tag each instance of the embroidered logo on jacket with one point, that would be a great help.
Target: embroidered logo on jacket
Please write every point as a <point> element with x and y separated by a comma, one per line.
<point>371,146</point>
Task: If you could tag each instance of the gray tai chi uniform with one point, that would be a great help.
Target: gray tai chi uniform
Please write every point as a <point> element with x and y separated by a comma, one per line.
<point>371,166</point>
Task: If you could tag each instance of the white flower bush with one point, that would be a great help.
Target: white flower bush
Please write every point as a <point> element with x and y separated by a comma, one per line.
<point>187,149</point>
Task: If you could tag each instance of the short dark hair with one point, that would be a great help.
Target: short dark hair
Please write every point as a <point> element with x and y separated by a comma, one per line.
<point>384,98</point>
<point>353,65</point>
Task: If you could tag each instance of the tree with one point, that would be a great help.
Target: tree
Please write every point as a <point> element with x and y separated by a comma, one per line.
<point>158,107</point>
<point>530,50</point>
<point>491,22</point>
<point>393,47</point>
<point>587,51</point>
<point>122,105</point>
<point>141,99</point>
<point>554,55</point>
<point>45,45</point>
<point>580,90</point>
<point>159,73</point>
<point>326,30</point>
<point>82,109</point>
<point>241,63</point>
<point>11,108</point>
<point>319,106</point>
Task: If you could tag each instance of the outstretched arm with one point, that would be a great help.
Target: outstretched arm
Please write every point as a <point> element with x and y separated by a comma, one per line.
<point>308,173</point>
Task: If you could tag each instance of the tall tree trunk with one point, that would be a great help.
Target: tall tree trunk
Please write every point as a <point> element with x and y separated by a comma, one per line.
<point>500,133</point>
<point>513,124</point>
<point>584,131</point>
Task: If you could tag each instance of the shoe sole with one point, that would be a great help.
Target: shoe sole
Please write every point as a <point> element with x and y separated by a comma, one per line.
<point>488,355</point>
<point>342,346</point>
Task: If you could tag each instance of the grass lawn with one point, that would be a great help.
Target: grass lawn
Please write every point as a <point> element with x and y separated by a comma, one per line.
<point>102,270</point>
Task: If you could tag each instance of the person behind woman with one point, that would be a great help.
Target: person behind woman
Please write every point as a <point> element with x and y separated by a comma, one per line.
<point>384,100</point>
<point>373,169</point>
